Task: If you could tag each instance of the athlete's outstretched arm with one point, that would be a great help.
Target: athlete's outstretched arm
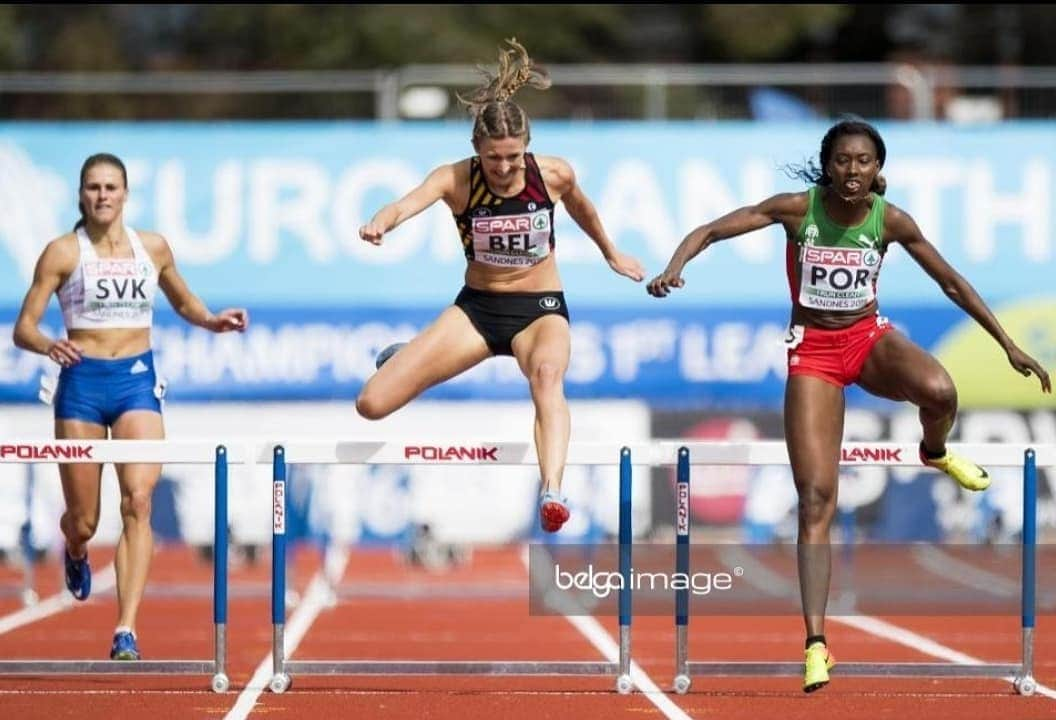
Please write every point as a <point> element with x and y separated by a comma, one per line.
<point>901,228</point>
<point>183,301</point>
<point>778,208</point>
<point>54,263</point>
<point>562,180</point>
<point>438,184</point>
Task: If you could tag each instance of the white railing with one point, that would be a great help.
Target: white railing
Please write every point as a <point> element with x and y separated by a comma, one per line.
<point>387,86</point>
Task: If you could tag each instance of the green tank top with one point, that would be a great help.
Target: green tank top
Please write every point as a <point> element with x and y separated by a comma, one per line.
<point>835,268</point>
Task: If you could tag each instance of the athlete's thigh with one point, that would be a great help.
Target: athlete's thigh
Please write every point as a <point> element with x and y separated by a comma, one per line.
<point>813,429</point>
<point>447,347</point>
<point>899,369</point>
<point>138,425</point>
<point>80,481</point>
<point>546,340</point>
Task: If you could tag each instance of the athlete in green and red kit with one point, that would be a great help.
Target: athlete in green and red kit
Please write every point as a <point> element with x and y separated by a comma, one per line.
<point>838,233</point>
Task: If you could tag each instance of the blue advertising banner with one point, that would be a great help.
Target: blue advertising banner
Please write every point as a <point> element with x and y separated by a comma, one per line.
<point>715,356</point>
<point>266,214</point>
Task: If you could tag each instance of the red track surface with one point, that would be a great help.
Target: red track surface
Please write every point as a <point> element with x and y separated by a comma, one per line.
<point>176,623</point>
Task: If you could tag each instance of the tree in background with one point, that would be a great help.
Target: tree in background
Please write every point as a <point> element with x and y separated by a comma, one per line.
<point>351,37</point>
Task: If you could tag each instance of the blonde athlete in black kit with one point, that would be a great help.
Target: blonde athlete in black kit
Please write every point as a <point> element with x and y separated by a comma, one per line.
<point>503,201</point>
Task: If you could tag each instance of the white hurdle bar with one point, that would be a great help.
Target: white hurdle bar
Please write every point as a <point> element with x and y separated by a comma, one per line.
<point>661,452</point>
<point>870,454</point>
<point>443,452</point>
<point>27,451</point>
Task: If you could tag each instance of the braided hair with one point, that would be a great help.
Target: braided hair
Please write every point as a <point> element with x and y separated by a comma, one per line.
<point>495,115</point>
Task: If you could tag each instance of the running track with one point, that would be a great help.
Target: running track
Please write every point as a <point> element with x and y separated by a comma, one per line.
<point>387,611</point>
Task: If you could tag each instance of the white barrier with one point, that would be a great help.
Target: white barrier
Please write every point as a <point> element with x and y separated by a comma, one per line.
<point>257,451</point>
<point>439,450</point>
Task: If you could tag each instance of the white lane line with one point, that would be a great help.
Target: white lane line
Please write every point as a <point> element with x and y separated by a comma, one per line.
<point>599,637</point>
<point>319,595</point>
<point>102,581</point>
<point>603,642</point>
<point>952,568</point>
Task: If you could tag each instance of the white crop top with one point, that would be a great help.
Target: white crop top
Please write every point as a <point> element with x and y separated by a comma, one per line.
<point>109,292</point>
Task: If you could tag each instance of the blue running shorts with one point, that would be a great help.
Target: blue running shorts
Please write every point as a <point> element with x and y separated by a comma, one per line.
<point>99,391</point>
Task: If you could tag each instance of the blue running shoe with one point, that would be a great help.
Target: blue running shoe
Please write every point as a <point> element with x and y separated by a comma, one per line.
<point>387,353</point>
<point>124,647</point>
<point>78,576</point>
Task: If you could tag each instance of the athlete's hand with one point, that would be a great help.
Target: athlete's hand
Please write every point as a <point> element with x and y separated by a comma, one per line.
<point>228,320</point>
<point>627,266</point>
<point>372,232</point>
<point>1025,365</point>
<point>65,352</point>
<point>661,285</point>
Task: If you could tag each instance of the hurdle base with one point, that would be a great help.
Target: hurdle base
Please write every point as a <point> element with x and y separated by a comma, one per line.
<point>107,667</point>
<point>735,669</point>
<point>431,667</point>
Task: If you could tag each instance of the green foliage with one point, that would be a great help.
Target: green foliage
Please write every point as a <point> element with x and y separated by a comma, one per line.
<point>755,33</point>
<point>380,36</point>
<point>9,37</point>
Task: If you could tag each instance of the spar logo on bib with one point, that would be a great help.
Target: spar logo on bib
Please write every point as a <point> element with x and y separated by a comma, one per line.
<point>519,240</point>
<point>837,278</point>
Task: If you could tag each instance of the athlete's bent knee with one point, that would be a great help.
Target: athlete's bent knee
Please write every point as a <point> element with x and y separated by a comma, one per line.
<point>370,408</point>
<point>940,392</point>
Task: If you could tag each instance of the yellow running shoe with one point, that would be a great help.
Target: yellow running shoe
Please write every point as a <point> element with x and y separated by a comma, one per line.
<point>819,662</point>
<point>969,475</point>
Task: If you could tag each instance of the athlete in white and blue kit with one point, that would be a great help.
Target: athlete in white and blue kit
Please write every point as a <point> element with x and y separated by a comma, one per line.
<point>106,275</point>
<point>503,202</point>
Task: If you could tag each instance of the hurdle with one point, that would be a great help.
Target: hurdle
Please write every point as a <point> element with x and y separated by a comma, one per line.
<point>133,451</point>
<point>861,454</point>
<point>398,453</point>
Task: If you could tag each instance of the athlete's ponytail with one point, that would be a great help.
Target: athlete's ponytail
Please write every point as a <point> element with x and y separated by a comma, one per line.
<point>495,115</point>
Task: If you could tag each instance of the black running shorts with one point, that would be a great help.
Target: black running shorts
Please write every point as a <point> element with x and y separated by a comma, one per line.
<point>498,317</point>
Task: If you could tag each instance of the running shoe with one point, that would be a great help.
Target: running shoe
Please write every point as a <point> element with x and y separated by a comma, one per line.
<point>967,474</point>
<point>124,647</point>
<point>78,575</point>
<point>553,512</point>
<point>818,663</point>
<point>387,353</point>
